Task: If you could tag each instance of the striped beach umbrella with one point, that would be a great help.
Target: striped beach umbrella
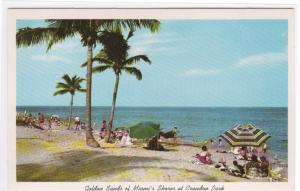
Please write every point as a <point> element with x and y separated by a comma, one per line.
<point>245,135</point>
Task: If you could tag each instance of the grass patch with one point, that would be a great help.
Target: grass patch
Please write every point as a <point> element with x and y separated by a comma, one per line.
<point>122,174</point>
<point>153,174</point>
<point>78,144</point>
<point>50,146</point>
<point>24,146</point>
<point>183,175</point>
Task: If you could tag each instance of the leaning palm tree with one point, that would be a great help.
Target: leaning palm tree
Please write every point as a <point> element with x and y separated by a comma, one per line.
<point>89,31</point>
<point>115,55</point>
<point>70,85</point>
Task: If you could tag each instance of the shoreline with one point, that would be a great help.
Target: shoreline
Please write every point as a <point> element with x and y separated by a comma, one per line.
<point>183,139</point>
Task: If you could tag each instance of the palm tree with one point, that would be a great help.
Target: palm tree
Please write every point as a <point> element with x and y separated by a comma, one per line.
<point>89,31</point>
<point>114,55</point>
<point>70,85</point>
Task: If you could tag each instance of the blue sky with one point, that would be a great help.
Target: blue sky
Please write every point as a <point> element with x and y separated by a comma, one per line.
<point>194,63</point>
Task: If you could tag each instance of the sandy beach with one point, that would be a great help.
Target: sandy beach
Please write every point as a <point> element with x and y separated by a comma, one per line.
<point>62,155</point>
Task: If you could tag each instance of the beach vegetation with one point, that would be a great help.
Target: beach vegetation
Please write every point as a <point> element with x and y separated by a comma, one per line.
<point>71,85</point>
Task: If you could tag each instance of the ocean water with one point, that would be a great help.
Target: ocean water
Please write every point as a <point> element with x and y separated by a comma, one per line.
<point>194,123</point>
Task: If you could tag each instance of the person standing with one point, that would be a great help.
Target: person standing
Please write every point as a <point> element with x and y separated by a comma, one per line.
<point>77,123</point>
<point>41,119</point>
<point>49,123</point>
<point>103,129</point>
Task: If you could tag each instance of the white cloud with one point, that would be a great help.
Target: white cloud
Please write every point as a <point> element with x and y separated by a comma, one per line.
<point>64,46</point>
<point>200,72</point>
<point>149,50</point>
<point>70,45</point>
<point>50,58</point>
<point>263,59</point>
<point>150,43</point>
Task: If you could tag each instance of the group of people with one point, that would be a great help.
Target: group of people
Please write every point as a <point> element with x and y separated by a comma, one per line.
<point>39,121</point>
<point>245,153</point>
<point>255,164</point>
<point>119,135</point>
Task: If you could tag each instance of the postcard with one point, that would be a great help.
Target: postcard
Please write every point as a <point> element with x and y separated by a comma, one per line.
<point>151,99</point>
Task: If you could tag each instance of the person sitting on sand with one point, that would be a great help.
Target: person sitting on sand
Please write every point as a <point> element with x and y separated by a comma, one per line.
<point>154,144</point>
<point>126,139</point>
<point>29,120</point>
<point>238,169</point>
<point>253,164</point>
<point>114,133</point>
<point>204,157</point>
<point>264,167</point>
<point>119,134</point>
<point>242,154</point>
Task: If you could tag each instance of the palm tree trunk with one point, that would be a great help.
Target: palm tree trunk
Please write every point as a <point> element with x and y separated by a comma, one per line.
<point>71,112</point>
<point>112,113</point>
<point>90,140</point>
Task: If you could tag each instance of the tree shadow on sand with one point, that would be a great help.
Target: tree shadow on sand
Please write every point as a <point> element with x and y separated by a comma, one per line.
<point>76,165</point>
<point>81,165</point>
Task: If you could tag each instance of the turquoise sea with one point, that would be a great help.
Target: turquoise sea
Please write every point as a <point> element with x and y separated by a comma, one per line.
<point>194,123</point>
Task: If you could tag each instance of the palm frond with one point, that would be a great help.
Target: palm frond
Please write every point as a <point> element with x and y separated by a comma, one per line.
<point>133,24</point>
<point>133,71</point>
<point>101,58</point>
<point>61,85</point>
<point>137,58</point>
<point>61,92</point>
<point>101,68</point>
<point>130,34</point>
<point>67,79</point>
<point>30,36</point>
<point>65,28</point>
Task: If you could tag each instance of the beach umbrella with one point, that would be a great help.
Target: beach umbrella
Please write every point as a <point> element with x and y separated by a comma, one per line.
<point>245,135</point>
<point>144,130</point>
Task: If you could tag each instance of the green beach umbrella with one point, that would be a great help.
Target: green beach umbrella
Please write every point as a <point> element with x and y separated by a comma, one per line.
<point>144,130</point>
